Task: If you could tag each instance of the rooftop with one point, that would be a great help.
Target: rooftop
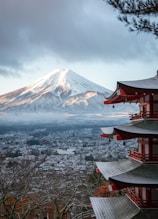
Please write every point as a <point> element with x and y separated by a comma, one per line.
<point>120,208</point>
<point>113,168</point>
<point>146,174</point>
<point>131,91</point>
<point>130,172</point>
<point>114,208</point>
<point>149,83</point>
<point>139,128</point>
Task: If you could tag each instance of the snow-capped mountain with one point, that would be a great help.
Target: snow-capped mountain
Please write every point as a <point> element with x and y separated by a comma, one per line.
<point>59,91</point>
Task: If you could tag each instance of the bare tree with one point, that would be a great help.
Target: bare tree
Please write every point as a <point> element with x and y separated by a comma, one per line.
<point>138,15</point>
<point>17,191</point>
<point>26,191</point>
<point>68,193</point>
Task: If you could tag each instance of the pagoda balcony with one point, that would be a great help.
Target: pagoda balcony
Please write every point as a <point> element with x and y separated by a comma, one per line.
<point>141,203</point>
<point>136,155</point>
<point>135,116</point>
<point>131,194</point>
<point>143,157</point>
<point>142,115</point>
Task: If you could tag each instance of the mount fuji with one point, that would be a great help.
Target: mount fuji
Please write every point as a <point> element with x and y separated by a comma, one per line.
<point>61,90</point>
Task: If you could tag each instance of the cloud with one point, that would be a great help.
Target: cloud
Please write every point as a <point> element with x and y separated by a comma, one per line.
<point>71,30</point>
<point>7,71</point>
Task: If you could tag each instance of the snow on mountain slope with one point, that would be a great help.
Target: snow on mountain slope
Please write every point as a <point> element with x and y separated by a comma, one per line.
<point>59,91</point>
<point>65,81</point>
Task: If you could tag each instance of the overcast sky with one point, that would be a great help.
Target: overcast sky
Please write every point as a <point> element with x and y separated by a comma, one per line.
<point>38,36</point>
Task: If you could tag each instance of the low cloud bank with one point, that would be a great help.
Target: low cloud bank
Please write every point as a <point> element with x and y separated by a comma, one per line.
<point>62,118</point>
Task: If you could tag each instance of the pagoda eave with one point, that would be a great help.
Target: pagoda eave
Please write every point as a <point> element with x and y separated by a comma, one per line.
<point>148,84</point>
<point>126,134</point>
<point>132,91</point>
<point>127,88</point>
<point>143,128</point>
<point>123,184</point>
<point>122,99</point>
<point>114,207</point>
<point>129,172</point>
<point>144,175</point>
<point>113,168</point>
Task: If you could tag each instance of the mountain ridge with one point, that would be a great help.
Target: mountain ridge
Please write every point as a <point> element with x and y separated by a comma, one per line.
<point>65,78</point>
<point>61,90</point>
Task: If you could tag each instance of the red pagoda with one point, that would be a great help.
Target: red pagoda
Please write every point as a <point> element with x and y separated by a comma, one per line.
<point>138,174</point>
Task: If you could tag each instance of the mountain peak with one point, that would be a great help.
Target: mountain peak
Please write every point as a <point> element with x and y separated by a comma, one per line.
<point>65,80</point>
<point>61,89</point>
<point>61,73</point>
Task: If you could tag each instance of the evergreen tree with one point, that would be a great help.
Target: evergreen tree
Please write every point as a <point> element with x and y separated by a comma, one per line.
<point>138,15</point>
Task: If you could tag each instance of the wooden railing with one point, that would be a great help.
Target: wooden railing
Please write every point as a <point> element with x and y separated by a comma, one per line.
<point>143,157</point>
<point>142,115</point>
<point>133,196</point>
<point>136,155</point>
<point>141,203</point>
<point>135,116</point>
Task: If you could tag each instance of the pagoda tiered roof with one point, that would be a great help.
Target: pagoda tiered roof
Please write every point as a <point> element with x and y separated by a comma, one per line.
<point>141,128</point>
<point>145,175</point>
<point>139,173</point>
<point>113,168</point>
<point>114,208</point>
<point>130,172</point>
<point>131,91</point>
<point>120,208</point>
